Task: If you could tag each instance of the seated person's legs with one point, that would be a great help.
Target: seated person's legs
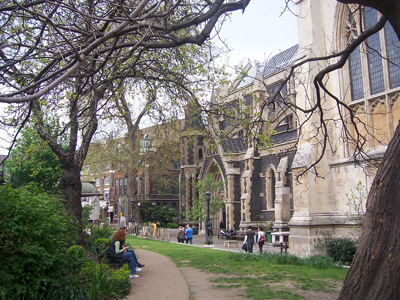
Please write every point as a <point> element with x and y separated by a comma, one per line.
<point>127,257</point>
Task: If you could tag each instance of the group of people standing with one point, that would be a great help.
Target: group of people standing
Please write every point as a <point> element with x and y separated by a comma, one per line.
<point>185,235</point>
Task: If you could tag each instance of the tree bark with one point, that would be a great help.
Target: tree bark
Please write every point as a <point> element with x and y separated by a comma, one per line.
<point>71,187</point>
<point>375,272</point>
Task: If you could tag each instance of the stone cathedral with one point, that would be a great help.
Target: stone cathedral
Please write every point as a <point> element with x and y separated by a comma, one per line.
<point>357,105</point>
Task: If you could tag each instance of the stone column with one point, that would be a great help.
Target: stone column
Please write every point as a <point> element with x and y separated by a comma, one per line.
<point>282,197</point>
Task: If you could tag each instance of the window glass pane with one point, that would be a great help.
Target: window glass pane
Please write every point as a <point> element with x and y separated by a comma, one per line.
<point>116,187</point>
<point>374,54</point>
<point>393,55</point>
<point>165,184</point>
<point>356,80</point>
<point>272,187</point>
<point>173,185</point>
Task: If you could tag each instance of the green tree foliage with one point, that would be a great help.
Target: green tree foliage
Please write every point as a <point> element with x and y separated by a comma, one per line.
<point>356,201</point>
<point>34,234</point>
<point>32,161</point>
<point>153,213</point>
<point>199,209</point>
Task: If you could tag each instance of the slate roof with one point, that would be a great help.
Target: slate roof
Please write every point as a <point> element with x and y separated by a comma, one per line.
<point>280,61</point>
<point>284,137</point>
<point>249,78</point>
<point>273,65</point>
<point>234,145</point>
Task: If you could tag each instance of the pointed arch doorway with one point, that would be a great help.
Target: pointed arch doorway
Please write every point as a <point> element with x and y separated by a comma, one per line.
<point>216,215</point>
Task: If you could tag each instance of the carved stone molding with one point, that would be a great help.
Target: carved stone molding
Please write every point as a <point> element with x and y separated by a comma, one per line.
<point>374,103</point>
<point>393,98</point>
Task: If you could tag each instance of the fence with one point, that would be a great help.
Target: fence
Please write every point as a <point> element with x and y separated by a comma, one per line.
<point>148,232</point>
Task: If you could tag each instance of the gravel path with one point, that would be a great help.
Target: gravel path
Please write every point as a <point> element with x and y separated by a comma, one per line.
<point>160,279</point>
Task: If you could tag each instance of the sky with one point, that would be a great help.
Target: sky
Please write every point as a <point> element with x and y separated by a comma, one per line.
<point>259,32</point>
<point>256,34</point>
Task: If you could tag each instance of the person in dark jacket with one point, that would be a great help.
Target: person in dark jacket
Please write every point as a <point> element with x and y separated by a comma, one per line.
<point>181,235</point>
<point>117,252</point>
<point>249,239</point>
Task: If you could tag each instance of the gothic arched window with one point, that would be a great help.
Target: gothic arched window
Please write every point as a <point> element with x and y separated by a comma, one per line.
<point>271,180</point>
<point>375,65</point>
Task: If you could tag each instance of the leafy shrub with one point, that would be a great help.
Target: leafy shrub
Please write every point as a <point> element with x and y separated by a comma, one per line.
<point>34,233</point>
<point>120,281</point>
<point>100,241</point>
<point>172,225</point>
<point>77,252</point>
<point>341,249</point>
<point>103,283</point>
<point>105,232</point>
<point>70,287</point>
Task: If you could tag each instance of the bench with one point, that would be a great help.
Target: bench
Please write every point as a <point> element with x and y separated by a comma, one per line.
<point>102,257</point>
<point>231,244</point>
<point>283,240</point>
<point>239,235</point>
<point>284,245</point>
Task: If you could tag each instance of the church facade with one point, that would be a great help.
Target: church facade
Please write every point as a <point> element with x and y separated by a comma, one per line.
<point>297,159</point>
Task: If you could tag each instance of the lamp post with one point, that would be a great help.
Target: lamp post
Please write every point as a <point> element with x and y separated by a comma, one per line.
<point>208,222</point>
<point>107,203</point>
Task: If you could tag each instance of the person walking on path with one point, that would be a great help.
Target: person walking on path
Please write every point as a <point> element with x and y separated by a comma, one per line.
<point>260,238</point>
<point>249,239</point>
<point>189,234</point>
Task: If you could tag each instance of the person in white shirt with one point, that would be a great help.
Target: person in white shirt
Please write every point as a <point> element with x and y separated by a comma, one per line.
<point>260,238</point>
<point>122,221</point>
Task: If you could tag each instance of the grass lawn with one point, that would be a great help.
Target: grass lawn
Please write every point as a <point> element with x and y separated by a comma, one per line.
<point>266,276</point>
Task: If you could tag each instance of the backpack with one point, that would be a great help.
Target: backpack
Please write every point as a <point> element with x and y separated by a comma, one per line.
<point>181,235</point>
<point>111,255</point>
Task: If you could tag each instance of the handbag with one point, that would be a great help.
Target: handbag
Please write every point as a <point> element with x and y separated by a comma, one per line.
<point>262,239</point>
<point>244,247</point>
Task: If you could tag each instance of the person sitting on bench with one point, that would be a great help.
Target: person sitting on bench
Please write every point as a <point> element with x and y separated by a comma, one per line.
<point>118,253</point>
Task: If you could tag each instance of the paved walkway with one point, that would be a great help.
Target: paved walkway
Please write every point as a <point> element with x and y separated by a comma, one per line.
<point>160,279</point>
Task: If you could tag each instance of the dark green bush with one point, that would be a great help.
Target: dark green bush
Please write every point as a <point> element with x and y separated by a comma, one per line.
<point>77,252</point>
<point>105,232</point>
<point>100,241</point>
<point>34,234</point>
<point>103,283</point>
<point>120,281</point>
<point>341,249</point>
<point>172,225</point>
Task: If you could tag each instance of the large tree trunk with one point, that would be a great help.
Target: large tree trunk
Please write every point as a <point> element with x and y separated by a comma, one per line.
<point>375,272</point>
<point>133,194</point>
<point>71,187</point>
